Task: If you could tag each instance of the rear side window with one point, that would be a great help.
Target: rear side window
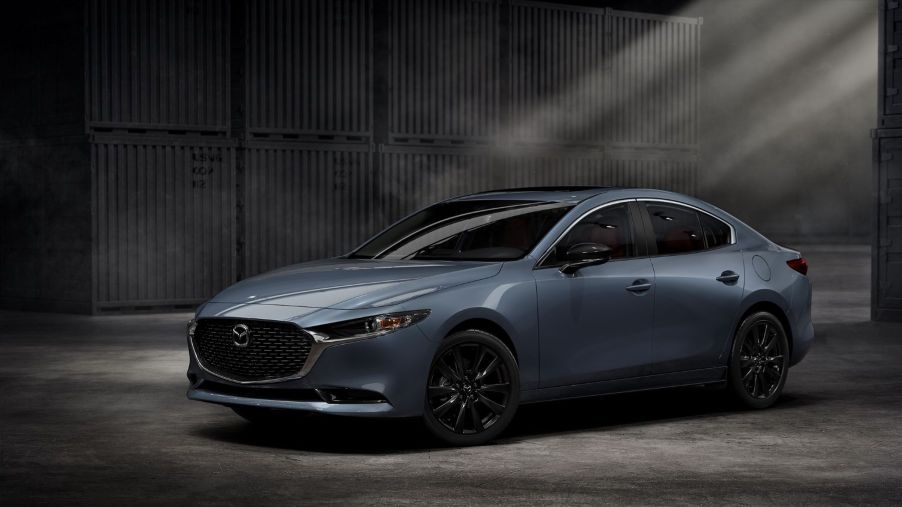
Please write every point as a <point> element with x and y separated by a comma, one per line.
<point>717,233</point>
<point>678,229</point>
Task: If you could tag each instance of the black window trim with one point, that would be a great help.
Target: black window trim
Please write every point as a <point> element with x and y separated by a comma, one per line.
<point>650,235</point>
<point>636,233</point>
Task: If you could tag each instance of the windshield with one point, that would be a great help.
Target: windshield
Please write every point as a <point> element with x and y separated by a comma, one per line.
<point>467,230</point>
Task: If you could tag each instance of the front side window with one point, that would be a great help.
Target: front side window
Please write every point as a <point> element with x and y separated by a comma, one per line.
<point>678,229</point>
<point>467,230</point>
<point>609,226</point>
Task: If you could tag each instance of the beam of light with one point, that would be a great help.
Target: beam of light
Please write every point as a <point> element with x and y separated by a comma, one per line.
<point>774,75</point>
<point>780,113</point>
<point>785,129</point>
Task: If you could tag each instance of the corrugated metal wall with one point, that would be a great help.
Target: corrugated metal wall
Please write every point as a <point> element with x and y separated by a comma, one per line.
<point>412,177</point>
<point>583,167</point>
<point>890,65</point>
<point>445,70</point>
<point>886,250</point>
<point>317,123</point>
<point>887,268</point>
<point>543,79</point>
<point>558,65</point>
<point>158,112</point>
<point>305,202</point>
<point>158,64</point>
<point>164,226</point>
<point>309,66</point>
<point>653,80</point>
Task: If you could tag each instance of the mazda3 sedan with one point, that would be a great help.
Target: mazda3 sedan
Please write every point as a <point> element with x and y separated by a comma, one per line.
<point>463,311</point>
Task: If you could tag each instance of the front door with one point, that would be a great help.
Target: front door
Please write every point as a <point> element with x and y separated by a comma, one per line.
<point>596,323</point>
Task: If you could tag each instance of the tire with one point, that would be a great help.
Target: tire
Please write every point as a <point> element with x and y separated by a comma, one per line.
<point>759,361</point>
<point>473,389</point>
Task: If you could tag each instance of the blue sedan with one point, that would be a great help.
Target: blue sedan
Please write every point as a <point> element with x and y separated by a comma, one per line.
<point>470,307</point>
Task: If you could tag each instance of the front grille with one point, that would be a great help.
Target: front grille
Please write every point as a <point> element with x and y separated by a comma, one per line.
<point>275,349</point>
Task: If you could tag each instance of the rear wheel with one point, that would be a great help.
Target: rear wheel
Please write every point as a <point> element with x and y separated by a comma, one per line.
<point>473,389</point>
<point>759,361</point>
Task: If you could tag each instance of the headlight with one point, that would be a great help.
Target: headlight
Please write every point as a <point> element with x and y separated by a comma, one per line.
<point>366,327</point>
<point>192,325</point>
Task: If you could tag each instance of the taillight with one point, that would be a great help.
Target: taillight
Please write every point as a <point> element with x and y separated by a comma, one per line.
<point>800,265</point>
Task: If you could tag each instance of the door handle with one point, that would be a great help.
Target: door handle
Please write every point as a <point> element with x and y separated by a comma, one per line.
<point>640,285</point>
<point>728,277</point>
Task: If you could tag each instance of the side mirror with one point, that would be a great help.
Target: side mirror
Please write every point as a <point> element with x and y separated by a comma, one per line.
<point>581,255</point>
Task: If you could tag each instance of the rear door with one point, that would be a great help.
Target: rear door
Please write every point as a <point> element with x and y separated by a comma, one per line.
<point>699,280</point>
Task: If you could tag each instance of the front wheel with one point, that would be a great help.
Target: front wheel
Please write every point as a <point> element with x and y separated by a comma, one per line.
<point>473,389</point>
<point>759,361</point>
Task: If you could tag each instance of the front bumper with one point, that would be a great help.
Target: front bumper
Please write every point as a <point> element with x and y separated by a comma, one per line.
<point>201,393</point>
<point>394,366</point>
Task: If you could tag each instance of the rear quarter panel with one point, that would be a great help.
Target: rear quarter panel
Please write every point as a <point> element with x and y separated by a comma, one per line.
<point>770,279</point>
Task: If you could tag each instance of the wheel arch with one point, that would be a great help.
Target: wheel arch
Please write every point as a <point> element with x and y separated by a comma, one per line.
<point>769,306</point>
<point>488,326</point>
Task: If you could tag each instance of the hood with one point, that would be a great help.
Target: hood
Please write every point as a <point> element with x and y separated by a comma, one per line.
<point>350,284</point>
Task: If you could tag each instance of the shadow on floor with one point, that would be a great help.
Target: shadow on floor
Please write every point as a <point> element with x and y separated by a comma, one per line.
<point>344,435</point>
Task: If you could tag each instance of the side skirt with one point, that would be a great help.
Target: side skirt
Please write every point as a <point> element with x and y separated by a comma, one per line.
<point>660,381</point>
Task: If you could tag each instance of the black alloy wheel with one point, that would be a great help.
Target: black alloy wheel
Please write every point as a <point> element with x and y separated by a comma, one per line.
<point>473,389</point>
<point>760,361</point>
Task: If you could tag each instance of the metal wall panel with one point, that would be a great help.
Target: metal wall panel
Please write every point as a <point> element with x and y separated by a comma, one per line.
<point>678,175</point>
<point>445,69</point>
<point>890,97</point>
<point>158,64</point>
<point>596,76</point>
<point>411,178</point>
<point>164,221</point>
<point>557,73</point>
<point>309,66</point>
<point>887,255</point>
<point>886,249</point>
<point>653,79</point>
<point>305,202</point>
<point>588,168</point>
<point>268,150</point>
<point>538,171</point>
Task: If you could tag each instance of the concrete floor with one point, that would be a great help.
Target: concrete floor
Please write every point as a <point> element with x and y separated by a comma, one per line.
<point>92,411</point>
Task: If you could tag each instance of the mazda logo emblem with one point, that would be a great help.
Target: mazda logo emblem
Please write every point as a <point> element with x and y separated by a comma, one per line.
<point>241,335</point>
